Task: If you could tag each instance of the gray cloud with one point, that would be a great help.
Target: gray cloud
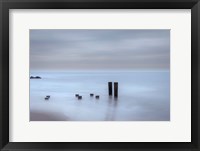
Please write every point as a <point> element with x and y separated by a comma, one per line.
<point>99,49</point>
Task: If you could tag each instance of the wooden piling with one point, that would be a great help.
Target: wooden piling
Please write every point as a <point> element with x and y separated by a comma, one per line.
<point>110,88</point>
<point>116,89</point>
<point>46,98</point>
<point>79,97</point>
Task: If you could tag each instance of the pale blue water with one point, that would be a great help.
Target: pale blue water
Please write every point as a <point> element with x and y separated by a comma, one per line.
<point>143,96</point>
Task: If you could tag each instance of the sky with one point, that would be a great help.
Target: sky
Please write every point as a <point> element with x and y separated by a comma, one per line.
<point>82,49</point>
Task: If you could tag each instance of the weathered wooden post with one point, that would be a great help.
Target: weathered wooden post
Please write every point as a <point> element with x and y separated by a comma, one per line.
<point>110,88</point>
<point>116,89</point>
<point>79,97</point>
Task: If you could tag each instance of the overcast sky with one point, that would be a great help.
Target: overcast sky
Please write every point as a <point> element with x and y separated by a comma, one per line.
<point>99,49</point>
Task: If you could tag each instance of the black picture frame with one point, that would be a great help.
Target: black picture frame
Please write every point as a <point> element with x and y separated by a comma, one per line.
<point>5,5</point>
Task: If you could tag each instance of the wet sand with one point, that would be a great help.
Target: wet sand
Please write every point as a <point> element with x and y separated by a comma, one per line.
<point>47,116</point>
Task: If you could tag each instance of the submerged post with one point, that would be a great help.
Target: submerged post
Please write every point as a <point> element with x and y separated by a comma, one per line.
<point>116,89</point>
<point>110,88</point>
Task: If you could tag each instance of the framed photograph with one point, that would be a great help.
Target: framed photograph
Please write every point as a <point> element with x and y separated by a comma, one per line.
<point>99,75</point>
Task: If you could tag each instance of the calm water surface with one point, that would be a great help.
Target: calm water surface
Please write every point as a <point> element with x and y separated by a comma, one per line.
<point>143,96</point>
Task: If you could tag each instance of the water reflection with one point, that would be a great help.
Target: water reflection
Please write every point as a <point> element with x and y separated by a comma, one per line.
<point>111,109</point>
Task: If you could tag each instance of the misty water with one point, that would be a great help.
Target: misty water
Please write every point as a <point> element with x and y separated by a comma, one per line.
<point>142,96</point>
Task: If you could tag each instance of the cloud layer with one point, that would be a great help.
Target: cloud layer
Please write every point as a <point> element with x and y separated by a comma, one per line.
<point>99,49</point>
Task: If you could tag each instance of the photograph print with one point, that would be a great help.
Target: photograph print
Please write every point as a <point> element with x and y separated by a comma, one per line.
<point>99,74</point>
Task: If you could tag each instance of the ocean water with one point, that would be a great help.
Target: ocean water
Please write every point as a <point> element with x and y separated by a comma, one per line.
<point>142,96</point>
